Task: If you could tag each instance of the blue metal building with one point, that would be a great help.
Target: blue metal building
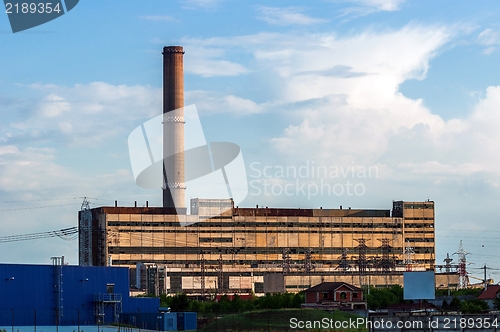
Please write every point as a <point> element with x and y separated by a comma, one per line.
<point>165,321</point>
<point>67,295</point>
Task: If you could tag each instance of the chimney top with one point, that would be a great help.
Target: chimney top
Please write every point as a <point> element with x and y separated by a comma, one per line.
<point>173,49</point>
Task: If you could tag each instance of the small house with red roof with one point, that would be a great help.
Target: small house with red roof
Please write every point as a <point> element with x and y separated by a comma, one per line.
<point>333,295</point>
<point>490,294</point>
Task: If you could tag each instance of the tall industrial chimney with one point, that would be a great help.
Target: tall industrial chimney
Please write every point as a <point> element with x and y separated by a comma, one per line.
<point>173,127</point>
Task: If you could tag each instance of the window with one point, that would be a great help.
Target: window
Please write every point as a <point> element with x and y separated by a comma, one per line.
<point>325,295</point>
<point>110,288</point>
<point>343,295</point>
<point>354,295</point>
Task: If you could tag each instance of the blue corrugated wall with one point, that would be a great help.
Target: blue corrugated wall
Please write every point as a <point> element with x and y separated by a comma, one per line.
<point>28,291</point>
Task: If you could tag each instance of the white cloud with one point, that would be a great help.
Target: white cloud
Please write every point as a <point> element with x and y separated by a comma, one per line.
<point>489,50</point>
<point>366,7</point>
<point>345,105</point>
<point>30,169</point>
<point>339,119</point>
<point>8,149</point>
<point>66,127</point>
<point>315,65</point>
<point>38,194</point>
<point>53,106</point>
<point>489,37</point>
<point>212,102</point>
<point>287,16</point>
<point>208,67</point>
<point>82,114</point>
<point>381,5</point>
<point>209,61</point>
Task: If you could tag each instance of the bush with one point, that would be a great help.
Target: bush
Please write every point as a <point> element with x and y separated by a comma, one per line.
<point>473,306</point>
<point>383,297</point>
<point>455,304</point>
<point>181,302</point>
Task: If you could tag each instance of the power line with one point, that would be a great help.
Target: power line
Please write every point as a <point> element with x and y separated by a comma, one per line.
<point>40,200</point>
<point>38,207</point>
<point>460,230</point>
<point>65,234</point>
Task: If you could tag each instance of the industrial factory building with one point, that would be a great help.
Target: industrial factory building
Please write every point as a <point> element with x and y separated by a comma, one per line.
<point>234,250</point>
<point>220,247</point>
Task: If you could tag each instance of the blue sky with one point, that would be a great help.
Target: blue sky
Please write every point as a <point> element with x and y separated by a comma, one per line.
<point>410,88</point>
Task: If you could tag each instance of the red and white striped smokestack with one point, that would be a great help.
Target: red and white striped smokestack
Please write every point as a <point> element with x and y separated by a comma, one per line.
<point>173,127</point>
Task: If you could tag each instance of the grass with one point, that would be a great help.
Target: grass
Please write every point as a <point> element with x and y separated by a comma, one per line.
<point>276,320</point>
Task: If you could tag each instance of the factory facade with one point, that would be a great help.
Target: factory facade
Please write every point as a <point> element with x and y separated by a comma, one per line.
<point>226,249</point>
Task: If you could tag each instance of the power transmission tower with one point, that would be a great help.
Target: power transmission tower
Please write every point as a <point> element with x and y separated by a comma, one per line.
<point>409,253</point>
<point>203,268</point>
<point>362,262</point>
<point>344,265</point>
<point>286,261</point>
<point>462,264</point>
<point>362,249</point>
<point>85,238</point>
<point>308,264</point>
<point>386,263</point>
<point>220,275</point>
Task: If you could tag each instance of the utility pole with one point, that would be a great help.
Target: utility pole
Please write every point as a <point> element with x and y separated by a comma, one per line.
<point>447,262</point>
<point>485,281</point>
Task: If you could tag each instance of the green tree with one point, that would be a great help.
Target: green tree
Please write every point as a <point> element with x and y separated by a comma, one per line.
<point>298,299</point>
<point>455,304</point>
<point>237,303</point>
<point>469,307</point>
<point>179,302</point>
<point>398,291</point>
<point>496,303</point>
<point>381,298</point>
<point>225,303</point>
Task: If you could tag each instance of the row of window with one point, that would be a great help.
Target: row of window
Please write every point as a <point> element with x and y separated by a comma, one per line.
<point>255,250</point>
<point>419,225</point>
<point>257,265</point>
<point>215,239</point>
<point>206,224</point>
<point>196,231</point>
<point>416,239</point>
<point>418,206</point>
<point>225,205</point>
